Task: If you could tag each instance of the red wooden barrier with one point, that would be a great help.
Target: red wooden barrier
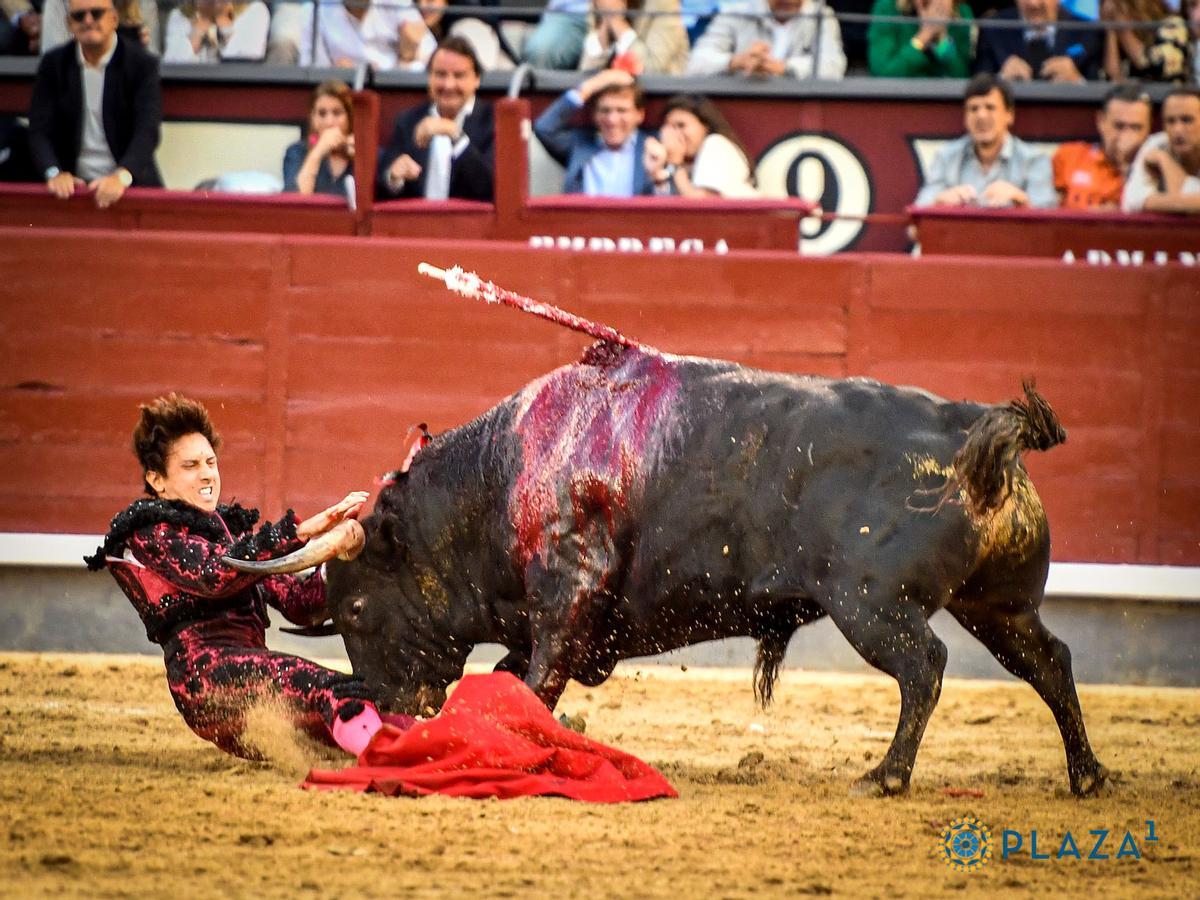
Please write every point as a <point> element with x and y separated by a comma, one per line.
<point>1100,237</point>
<point>318,353</point>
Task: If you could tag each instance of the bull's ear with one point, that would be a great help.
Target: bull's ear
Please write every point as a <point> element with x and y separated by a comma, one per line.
<point>385,539</point>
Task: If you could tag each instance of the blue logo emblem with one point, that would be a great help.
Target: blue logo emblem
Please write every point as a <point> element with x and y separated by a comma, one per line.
<point>965,845</point>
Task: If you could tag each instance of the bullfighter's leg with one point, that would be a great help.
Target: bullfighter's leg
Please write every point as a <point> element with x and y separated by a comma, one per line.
<point>1021,643</point>
<point>895,637</point>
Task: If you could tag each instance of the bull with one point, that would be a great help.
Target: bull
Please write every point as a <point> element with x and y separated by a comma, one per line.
<point>635,502</point>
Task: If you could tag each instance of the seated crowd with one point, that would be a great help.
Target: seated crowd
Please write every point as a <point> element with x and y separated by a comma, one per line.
<point>444,148</point>
<point>1151,40</point>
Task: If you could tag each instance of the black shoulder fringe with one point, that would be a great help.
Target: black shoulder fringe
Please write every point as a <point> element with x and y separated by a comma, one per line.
<point>146,512</point>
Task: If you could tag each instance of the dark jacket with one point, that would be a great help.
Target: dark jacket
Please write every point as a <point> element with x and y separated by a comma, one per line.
<point>996,45</point>
<point>472,175</point>
<point>132,111</point>
<point>575,147</point>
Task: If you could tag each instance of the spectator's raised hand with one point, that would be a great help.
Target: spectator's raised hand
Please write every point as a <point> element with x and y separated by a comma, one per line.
<point>430,126</point>
<point>412,32</point>
<point>930,11</point>
<point>404,168</point>
<point>1003,193</point>
<point>654,157</point>
<point>332,140</point>
<point>605,79</point>
<point>1061,69</point>
<point>1016,69</point>
<point>674,147</point>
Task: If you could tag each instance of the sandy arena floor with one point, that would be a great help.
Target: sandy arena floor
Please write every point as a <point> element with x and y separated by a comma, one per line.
<point>105,793</point>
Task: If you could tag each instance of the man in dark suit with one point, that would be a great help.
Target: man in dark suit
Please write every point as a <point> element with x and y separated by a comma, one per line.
<point>444,149</point>
<point>605,160</point>
<point>96,109</point>
<point>1043,49</point>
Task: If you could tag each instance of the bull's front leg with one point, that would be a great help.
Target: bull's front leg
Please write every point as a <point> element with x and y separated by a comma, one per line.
<point>568,596</point>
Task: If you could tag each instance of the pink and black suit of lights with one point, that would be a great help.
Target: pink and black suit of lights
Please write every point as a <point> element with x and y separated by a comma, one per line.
<point>211,621</point>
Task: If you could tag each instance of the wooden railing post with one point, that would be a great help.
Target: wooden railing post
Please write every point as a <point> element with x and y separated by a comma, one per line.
<point>513,132</point>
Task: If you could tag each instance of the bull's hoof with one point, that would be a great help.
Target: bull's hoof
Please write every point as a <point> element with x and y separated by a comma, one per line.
<point>1092,783</point>
<point>876,784</point>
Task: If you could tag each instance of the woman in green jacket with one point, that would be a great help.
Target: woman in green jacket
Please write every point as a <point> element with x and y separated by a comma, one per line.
<point>925,49</point>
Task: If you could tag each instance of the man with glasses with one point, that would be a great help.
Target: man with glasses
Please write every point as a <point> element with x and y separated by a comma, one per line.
<point>96,109</point>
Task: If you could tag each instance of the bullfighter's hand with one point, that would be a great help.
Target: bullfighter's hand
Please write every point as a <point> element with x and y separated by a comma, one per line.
<point>348,508</point>
<point>404,168</point>
<point>63,185</point>
<point>604,79</point>
<point>959,195</point>
<point>1061,69</point>
<point>1016,69</point>
<point>1004,193</point>
<point>109,190</point>
<point>430,126</point>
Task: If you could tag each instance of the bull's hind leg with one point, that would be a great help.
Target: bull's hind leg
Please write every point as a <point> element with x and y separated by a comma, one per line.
<point>894,636</point>
<point>1015,635</point>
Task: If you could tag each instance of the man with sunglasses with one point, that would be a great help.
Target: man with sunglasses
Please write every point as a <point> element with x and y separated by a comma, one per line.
<point>96,109</point>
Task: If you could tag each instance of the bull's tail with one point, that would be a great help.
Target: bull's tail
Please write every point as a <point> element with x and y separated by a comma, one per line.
<point>771,649</point>
<point>987,464</point>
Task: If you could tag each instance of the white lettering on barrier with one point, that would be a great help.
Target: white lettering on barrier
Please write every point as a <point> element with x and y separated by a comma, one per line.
<point>1095,257</point>
<point>601,244</point>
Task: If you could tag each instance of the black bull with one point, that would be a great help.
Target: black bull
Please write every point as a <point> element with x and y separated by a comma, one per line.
<point>635,502</point>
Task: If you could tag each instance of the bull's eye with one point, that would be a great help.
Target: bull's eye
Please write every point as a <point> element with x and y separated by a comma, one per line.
<point>356,607</point>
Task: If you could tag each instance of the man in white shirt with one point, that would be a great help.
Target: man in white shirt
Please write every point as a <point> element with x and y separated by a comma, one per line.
<point>1165,175</point>
<point>770,39</point>
<point>445,148</point>
<point>96,109</point>
<point>386,35</point>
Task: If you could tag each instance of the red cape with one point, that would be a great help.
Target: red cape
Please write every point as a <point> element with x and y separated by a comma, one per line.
<point>495,738</point>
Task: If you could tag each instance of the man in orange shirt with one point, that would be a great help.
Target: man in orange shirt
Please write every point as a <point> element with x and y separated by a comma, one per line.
<point>1091,176</point>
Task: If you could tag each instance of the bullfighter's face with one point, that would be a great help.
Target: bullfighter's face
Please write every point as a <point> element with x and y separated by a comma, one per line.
<point>93,23</point>
<point>453,82</point>
<point>192,475</point>
<point>617,117</point>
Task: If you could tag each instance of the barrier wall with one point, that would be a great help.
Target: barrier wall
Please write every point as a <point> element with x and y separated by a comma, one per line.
<point>317,353</point>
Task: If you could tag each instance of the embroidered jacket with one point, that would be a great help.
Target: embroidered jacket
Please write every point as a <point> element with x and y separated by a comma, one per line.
<point>166,557</point>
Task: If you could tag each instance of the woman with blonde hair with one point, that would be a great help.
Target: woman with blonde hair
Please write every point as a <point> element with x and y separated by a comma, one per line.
<point>213,31</point>
<point>324,159</point>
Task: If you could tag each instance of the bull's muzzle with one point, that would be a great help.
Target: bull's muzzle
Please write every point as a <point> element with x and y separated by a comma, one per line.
<point>344,541</point>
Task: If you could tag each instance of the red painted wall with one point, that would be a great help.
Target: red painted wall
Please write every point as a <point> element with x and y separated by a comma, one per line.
<point>317,353</point>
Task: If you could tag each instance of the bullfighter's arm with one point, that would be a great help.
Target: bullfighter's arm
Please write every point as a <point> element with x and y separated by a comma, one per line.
<point>193,563</point>
<point>301,600</point>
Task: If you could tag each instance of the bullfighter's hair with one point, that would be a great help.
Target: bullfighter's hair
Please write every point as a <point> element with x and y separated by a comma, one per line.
<point>986,464</point>
<point>163,421</point>
<point>146,513</point>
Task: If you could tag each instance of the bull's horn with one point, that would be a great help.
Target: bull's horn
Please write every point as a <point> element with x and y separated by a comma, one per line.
<point>345,541</point>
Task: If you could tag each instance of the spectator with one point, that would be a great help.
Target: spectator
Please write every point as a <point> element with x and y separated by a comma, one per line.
<point>988,166</point>
<point>323,162</point>
<point>1159,54</point>
<point>557,41</point>
<point>1191,8</point>
<point>387,35</point>
<point>1165,175</point>
<point>212,31</point>
<point>137,20</point>
<point>87,129</point>
<point>697,153</point>
<point>1091,176</point>
<point>605,160</point>
<point>15,164</point>
<point>1045,49</point>
<point>782,37</point>
<point>445,148</point>
<point>650,45</point>
<point>925,49</point>
<point>21,27</point>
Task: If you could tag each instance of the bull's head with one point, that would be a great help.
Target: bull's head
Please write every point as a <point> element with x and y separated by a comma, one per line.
<point>376,604</point>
